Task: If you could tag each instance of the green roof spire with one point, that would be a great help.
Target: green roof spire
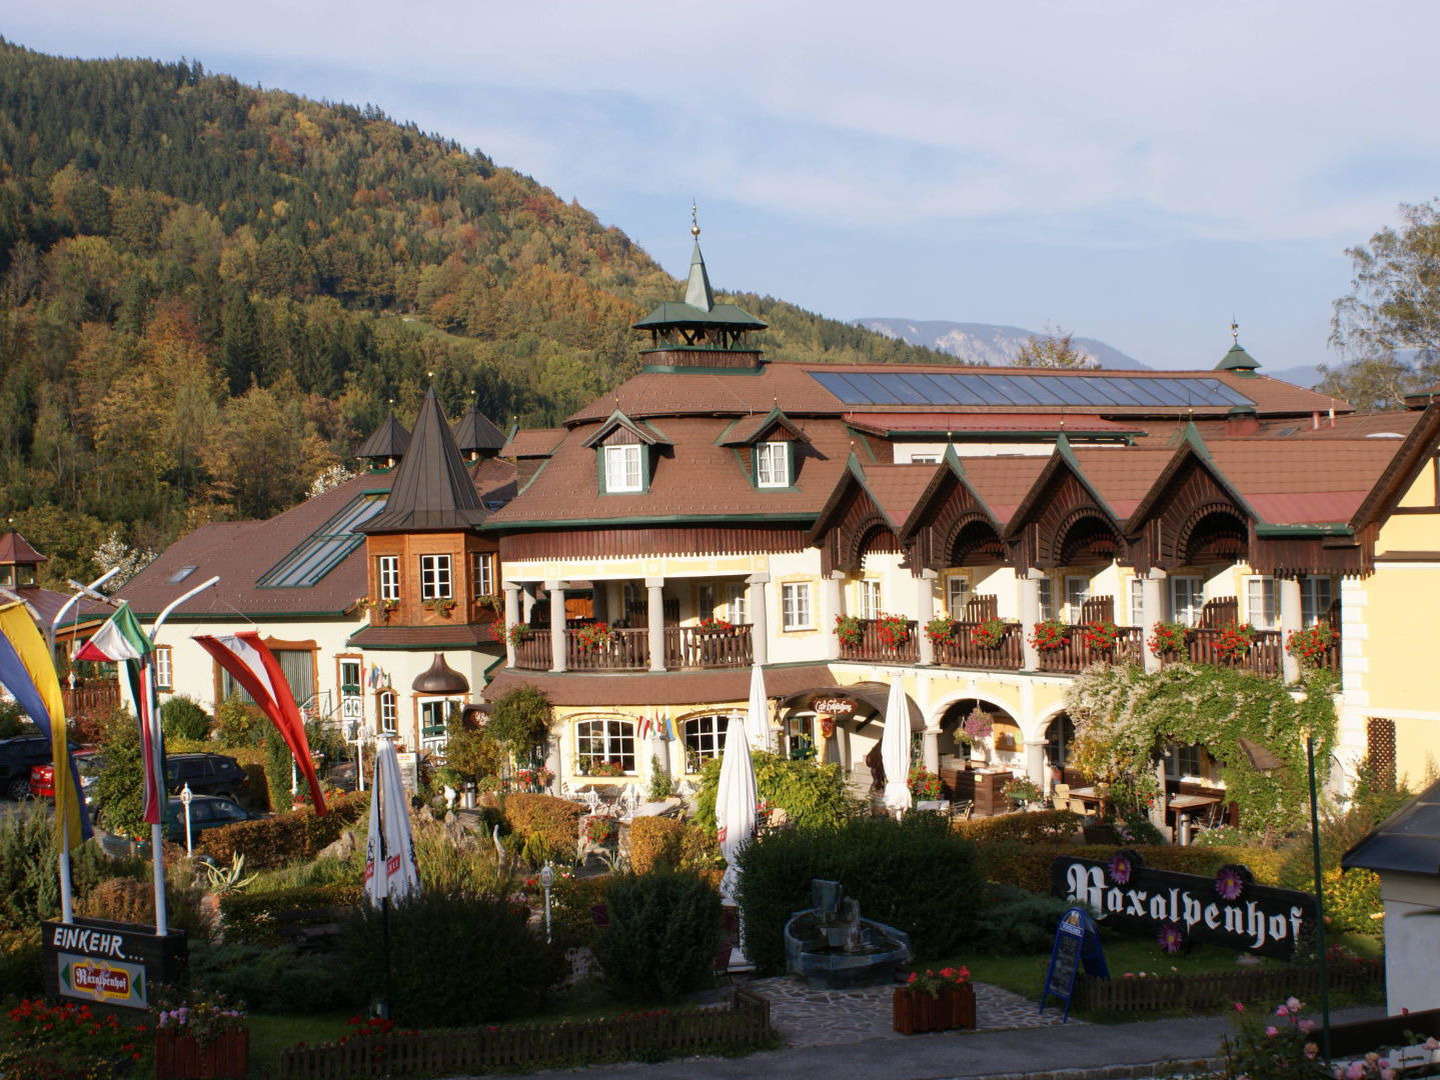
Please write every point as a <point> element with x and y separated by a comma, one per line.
<point>698,293</point>
<point>1236,359</point>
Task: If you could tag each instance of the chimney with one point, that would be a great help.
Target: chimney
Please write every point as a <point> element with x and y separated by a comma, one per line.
<point>1241,420</point>
<point>1315,421</point>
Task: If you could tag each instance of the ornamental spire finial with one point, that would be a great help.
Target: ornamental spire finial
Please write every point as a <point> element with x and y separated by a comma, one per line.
<point>694,220</point>
<point>1234,330</point>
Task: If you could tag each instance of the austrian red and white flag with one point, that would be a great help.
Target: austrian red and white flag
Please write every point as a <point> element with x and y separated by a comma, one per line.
<point>251,664</point>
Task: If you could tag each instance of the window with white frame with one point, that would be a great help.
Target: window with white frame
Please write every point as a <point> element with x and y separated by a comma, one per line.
<point>1137,602</point>
<point>1316,596</point>
<point>599,742</point>
<point>1262,603</point>
<point>389,710</point>
<point>1187,600</point>
<point>924,459</point>
<point>795,605</point>
<point>772,464</point>
<point>387,575</point>
<point>957,595</point>
<point>164,677</point>
<point>737,604</point>
<point>435,577</point>
<point>704,739</point>
<point>869,599</point>
<point>1077,591</point>
<point>435,717</point>
<point>623,468</point>
<point>1046,591</point>
<point>482,573</point>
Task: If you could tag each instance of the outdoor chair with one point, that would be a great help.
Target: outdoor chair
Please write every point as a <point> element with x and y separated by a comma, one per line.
<point>962,808</point>
<point>1079,806</point>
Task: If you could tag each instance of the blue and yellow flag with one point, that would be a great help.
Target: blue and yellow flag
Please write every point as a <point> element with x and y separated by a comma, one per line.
<point>27,670</point>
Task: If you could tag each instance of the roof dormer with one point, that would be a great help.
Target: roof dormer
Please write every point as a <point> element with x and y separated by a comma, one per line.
<point>626,451</point>
<point>772,448</point>
<point>18,561</point>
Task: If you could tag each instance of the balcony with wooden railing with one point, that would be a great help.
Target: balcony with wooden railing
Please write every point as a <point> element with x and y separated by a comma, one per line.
<point>1207,645</point>
<point>963,650</point>
<point>532,651</point>
<point>610,650</point>
<point>708,646</point>
<point>92,701</point>
<point>1074,653</point>
<point>876,646</point>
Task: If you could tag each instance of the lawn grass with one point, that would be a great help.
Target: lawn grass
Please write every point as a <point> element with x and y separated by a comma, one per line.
<point>271,1034</point>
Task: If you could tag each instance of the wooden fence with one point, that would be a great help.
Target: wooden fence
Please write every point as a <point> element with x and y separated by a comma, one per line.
<point>1217,989</point>
<point>742,1025</point>
<point>871,647</point>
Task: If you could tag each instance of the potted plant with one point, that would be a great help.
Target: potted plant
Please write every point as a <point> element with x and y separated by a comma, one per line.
<point>714,625</point>
<point>1050,635</point>
<point>600,830</point>
<point>941,629</point>
<point>201,1039</point>
<point>849,629</point>
<point>1233,642</point>
<point>440,605</point>
<point>594,636</point>
<point>1022,791</point>
<point>975,729</point>
<point>990,634</point>
<point>606,768</point>
<point>935,1001</point>
<point>893,631</point>
<point>1167,640</point>
<point>926,786</point>
<point>1311,644</point>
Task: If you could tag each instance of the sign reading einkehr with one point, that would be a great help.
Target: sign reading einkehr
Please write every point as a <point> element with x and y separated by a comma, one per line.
<point>1227,909</point>
<point>108,964</point>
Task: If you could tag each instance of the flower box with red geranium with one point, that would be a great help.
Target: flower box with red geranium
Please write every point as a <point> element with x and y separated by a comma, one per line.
<point>935,1001</point>
<point>714,626</point>
<point>1167,640</point>
<point>1233,642</point>
<point>892,631</point>
<point>1312,645</point>
<point>849,629</point>
<point>990,634</point>
<point>593,636</point>
<point>515,633</point>
<point>1101,636</point>
<point>605,768</point>
<point>941,629</point>
<point>1050,635</point>
<point>926,786</point>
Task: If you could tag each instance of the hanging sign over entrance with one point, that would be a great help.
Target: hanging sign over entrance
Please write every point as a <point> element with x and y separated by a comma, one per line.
<point>833,706</point>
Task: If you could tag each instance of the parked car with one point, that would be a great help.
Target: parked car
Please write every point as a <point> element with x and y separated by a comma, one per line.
<point>17,755</point>
<point>206,812</point>
<point>207,774</point>
<point>42,777</point>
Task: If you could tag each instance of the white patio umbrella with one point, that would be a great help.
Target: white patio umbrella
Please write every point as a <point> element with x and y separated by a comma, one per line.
<point>734,806</point>
<point>390,870</point>
<point>895,748</point>
<point>757,717</point>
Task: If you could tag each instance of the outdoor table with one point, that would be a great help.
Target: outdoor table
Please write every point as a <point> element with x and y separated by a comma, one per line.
<point>1184,806</point>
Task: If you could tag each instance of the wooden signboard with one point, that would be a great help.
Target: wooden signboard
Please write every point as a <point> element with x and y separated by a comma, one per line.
<point>1077,942</point>
<point>112,967</point>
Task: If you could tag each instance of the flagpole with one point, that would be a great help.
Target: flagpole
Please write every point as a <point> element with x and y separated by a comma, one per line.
<point>157,763</point>
<point>52,630</point>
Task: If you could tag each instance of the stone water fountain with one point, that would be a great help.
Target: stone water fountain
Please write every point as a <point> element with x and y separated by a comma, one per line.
<point>830,946</point>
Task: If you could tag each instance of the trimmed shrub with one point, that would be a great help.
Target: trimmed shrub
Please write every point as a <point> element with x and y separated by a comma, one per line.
<point>573,902</point>
<point>1017,921</point>
<point>239,724</point>
<point>130,900</point>
<point>1040,827</point>
<point>21,962</point>
<point>812,795</point>
<point>663,935</point>
<point>655,843</point>
<point>182,718</point>
<point>274,978</point>
<point>547,827</point>
<point>263,916</point>
<point>455,961</point>
<point>1352,901</point>
<point>274,841</point>
<point>915,874</point>
<point>1028,867</point>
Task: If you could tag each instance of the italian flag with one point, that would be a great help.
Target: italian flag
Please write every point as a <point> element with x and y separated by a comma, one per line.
<point>122,641</point>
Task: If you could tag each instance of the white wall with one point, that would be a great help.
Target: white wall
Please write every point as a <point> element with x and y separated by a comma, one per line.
<point>1412,941</point>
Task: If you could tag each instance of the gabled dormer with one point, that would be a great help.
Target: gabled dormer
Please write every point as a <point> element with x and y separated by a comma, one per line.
<point>772,449</point>
<point>18,561</point>
<point>626,454</point>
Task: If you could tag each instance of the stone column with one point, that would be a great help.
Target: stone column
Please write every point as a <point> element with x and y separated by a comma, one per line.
<point>527,602</point>
<point>1290,619</point>
<point>655,593</point>
<point>556,591</point>
<point>1035,764</point>
<point>1152,607</point>
<point>924,612</point>
<point>1028,583</point>
<point>512,617</point>
<point>833,608</point>
<point>759,618</point>
<point>932,749</point>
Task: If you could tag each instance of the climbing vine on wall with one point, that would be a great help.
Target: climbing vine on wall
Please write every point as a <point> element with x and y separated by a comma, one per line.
<point>1125,717</point>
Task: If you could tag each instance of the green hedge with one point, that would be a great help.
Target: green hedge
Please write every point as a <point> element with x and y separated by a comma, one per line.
<point>663,935</point>
<point>275,841</point>
<point>1028,865</point>
<point>916,875</point>
<point>656,843</point>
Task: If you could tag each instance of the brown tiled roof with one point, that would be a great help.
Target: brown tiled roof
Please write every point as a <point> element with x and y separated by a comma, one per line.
<point>46,604</point>
<point>697,479</point>
<point>459,636</point>
<point>897,488</point>
<point>14,548</point>
<point>659,688</point>
<point>886,423</point>
<point>1296,481</point>
<point>1122,477</point>
<point>749,428</point>
<point>432,489</point>
<point>533,442</point>
<point>1003,482</point>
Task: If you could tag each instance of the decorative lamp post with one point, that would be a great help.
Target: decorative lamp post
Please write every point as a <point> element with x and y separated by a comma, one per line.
<point>547,881</point>
<point>185,797</point>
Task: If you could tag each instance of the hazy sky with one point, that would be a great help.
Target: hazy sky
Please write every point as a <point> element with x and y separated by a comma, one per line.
<point>1133,171</point>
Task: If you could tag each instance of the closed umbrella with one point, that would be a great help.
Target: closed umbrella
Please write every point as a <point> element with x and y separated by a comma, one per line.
<point>895,748</point>
<point>757,717</point>
<point>390,870</point>
<point>734,806</point>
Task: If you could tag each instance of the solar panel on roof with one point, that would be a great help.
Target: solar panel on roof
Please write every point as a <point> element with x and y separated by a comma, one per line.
<point>976,388</point>
<point>900,385</point>
<point>322,550</point>
<point>939,392</point>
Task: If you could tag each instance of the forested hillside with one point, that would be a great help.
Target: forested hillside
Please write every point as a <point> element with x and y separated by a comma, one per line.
<point>209,292</point>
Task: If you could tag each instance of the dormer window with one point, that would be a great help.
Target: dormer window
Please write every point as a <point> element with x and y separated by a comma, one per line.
<point>624,468</point>
<point>772,464</point>
<point>435,577</point>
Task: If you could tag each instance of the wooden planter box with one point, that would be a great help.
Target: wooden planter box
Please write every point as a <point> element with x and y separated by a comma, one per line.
<point>917,1012</point>
<point>181,1057</point>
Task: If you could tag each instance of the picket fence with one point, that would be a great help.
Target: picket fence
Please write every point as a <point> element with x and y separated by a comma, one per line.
<point>743,1024</point>
<point>1220,988</point>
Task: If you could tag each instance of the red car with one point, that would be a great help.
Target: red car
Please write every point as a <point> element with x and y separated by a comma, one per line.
<point>42,777</point>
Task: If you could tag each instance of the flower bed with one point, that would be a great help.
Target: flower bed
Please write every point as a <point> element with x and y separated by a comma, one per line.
<point>1216,989</point>
<point>42,1040</point>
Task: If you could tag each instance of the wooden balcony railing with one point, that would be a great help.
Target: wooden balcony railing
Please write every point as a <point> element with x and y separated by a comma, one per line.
<point>1075,655</point>
<point>708,647</point>
<point>93,701</point>
<point>533,652</point>
<point>961,650</point>
<point>622,650</point>
<point>870,647</point>
<point>1264,657</point>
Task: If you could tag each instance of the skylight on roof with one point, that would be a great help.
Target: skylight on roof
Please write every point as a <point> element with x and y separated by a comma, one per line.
<point>325,548</point>
<point>975,388</point>
<point>181,574</point>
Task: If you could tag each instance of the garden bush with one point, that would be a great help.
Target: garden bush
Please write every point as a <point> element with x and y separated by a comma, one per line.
<point>274,841</point>
<point>132,900</point>
<point>573,901</point>
<point>20,961</point>
<point>455,960</point>
<point>239,724</point>
<point>1017,921</point>
<point>274,978</point>
<point>261,915</point>
<point>812,795</point>
<point>663,935</point>
<point>1040,827</point>
<point>1028,866</point>
<point>29,885</point>
<point>655,843</point>
<point>545,827</point>
<point>182,718</point>
<point>119,789</point>
<point>1352,901</point>
<point>915,874</point>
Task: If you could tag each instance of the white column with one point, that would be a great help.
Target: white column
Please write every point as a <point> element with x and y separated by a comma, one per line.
<point>932,749</point>
<point>1028,584</point>
<point>1290,618</point>
<point>512,616</point>
<point>655,613</point>
<point>834,607</point>
<point>1152,606</point>
<point>1035,763</point>
<point>556,591</point>
<point>924,612</point>
<point>527,602</point>
<point>759,618</point>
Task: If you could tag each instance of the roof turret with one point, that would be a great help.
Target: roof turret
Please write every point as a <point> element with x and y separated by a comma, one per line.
<point>476,436</point>
<point>1236,359</point>
<point>432,491</point>
<point>386,444</point>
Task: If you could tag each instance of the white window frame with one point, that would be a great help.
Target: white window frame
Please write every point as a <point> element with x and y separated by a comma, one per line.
<point>1075,597</point>
<point>924,459</point>
<point>1187,615</point>
<point>164,668</point>
<point>737,604</point>
<point>1263,612</point>
<point>611,734</point>
<point>868,592</point>
<point>1137,601</point>
<point>448,709</point>
<point>389,709</point>
<point>795,606</point>
<point>387,576</point>
<point>436,579</point>
<point>1312,610</point>
<point>772,464</point>
<point>482,573</point>
<point>1045,591</point>
<point>957,595</point>
<point>705,740</point>
<point>624,468</point>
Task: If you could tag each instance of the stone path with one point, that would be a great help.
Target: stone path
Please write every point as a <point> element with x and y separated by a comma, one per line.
<point>805,1016</point>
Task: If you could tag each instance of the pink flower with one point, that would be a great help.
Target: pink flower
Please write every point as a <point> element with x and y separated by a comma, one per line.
<point>1281,1010</point>
<point>1307,1026</point>
<point>1271,1032</point>
<point>1294,1003</point>
<point>1239,1006</point>
<point>1432,1043</point>
<point>1356,1071</point>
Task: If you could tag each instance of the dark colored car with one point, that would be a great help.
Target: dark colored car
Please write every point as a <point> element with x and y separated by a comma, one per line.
<point>207,774</point>
<point>206,812</point>
<point>17,755</point>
